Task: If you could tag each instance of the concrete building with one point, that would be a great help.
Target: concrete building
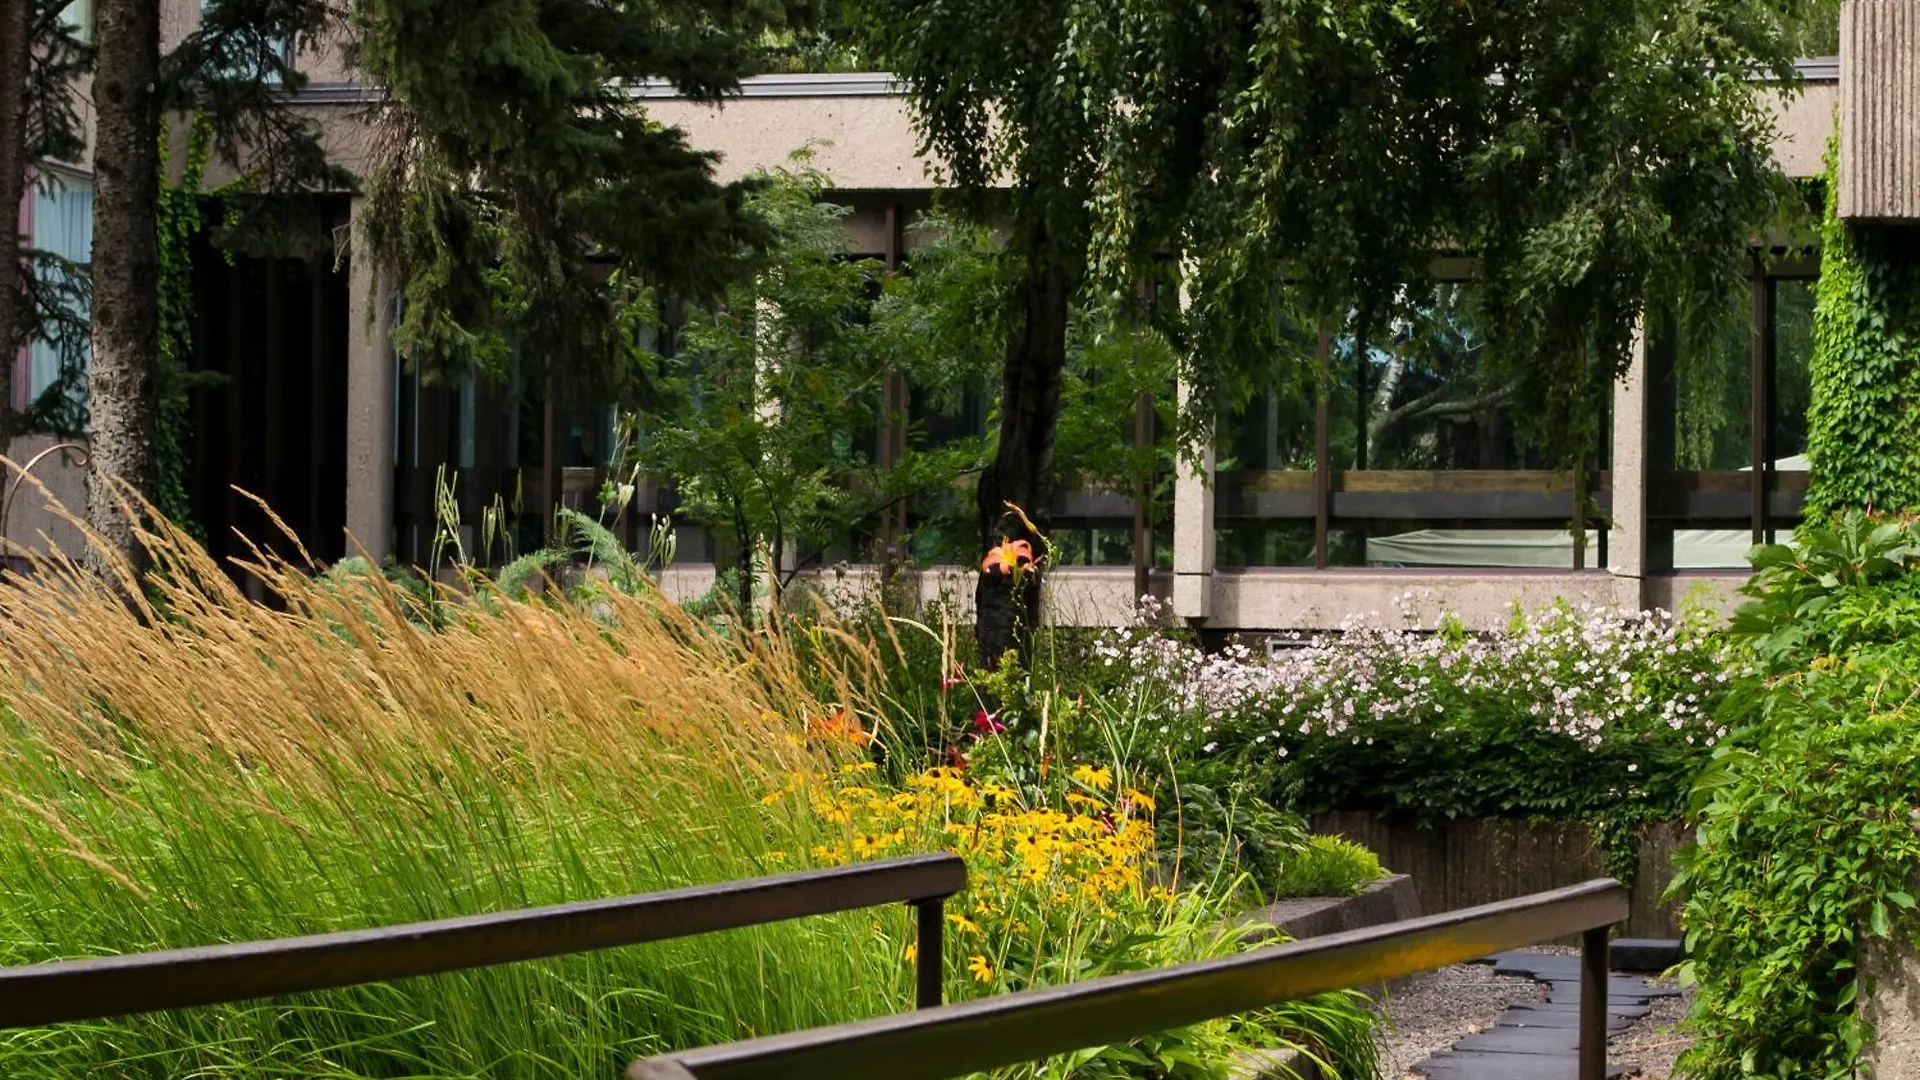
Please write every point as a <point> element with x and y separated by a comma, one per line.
<point>313,412</point>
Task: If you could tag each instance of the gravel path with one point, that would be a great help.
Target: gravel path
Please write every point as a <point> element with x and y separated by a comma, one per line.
<point>1653,1042</point>
<point>1434,1010</point>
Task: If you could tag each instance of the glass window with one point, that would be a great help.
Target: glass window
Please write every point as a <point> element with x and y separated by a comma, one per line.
<point>1720,410</point>
<point>1426,466</point>
<point>1790,390</point>
<point>1264,469</point>
<point>940,523</point>
<point>62,226</point>
<point>241,67</point>
<point>1432,470</point>
<point>78,15</point>
<point>1420,398</point>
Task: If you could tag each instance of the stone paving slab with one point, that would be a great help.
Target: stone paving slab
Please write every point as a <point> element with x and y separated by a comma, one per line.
<point>1649,955</point>
<point>1541,1041</point>
<point>1624,1009</point>
<point>1569,1018</point>
<point>1556,1042</point>
<point>1629,989</point>
<point>1455,1066</point>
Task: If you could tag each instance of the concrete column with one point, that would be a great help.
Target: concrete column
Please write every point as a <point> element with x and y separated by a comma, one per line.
<point>1879,100</point>
<point>370,403</point>
<point>1627,551</point>
<point>1192,528</point>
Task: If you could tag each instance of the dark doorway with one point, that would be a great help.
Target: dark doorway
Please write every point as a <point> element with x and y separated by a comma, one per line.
<point>270,341</point>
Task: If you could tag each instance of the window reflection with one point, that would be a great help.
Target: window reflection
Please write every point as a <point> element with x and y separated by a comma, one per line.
<point>1425,463</point>
<point>1727,434</point>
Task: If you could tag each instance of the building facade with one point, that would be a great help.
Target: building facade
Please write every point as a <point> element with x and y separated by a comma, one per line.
<point>1296,519</point>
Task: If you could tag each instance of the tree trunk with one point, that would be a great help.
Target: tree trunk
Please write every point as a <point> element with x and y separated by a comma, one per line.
<point>743,589</point>
<point>126,257</point>
<point>15,56</point>
<point>1007,611</point>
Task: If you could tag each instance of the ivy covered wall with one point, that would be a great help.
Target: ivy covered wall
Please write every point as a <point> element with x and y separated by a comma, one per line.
<point>1863,436</point>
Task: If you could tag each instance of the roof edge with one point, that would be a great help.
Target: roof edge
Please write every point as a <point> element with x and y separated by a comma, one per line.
<point>1817,69</point>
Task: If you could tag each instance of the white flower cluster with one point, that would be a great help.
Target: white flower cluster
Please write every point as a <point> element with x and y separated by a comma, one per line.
<point>1586,673</point>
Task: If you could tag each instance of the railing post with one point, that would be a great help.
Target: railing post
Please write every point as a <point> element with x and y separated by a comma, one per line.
<point>929,966</point>
<point>1593,1004</point>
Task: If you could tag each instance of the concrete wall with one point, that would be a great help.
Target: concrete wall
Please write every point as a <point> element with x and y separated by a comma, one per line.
<point>1803,123</point>
<point>31,525</point>
<point>863,138</point>
<point>1465,863</point>
<point>1258,601</point>
<point>863,143</point>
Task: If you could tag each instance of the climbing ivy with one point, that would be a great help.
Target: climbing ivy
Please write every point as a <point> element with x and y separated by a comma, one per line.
<point>1863,424</point>
<point>180,222</point>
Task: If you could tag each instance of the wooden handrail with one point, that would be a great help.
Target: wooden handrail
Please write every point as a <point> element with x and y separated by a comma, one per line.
<point>90,989</point>
<point>1031,1024</point>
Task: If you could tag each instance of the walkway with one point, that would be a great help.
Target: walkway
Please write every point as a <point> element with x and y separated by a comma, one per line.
<point>1540,1040</point>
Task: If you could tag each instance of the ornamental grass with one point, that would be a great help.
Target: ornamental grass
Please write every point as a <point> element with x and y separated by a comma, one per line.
<point>197,768</point>
<point>191,767</point>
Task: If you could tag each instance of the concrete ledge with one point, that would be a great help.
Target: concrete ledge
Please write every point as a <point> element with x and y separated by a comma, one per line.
<point>1391,899</point>
<point>1274,1065</point>
<point>1645,955</point>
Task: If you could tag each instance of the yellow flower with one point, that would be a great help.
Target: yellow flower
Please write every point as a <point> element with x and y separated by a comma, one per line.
<point>978,967</point>
<point>963,922</point>
<point>912,952</point>
<point>1140,799</point>
<point>1099,779</point>
<point>776,856</point>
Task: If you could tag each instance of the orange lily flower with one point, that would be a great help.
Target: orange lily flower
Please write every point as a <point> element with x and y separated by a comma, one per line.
<point>842,726</point>
<point>1008,557</point>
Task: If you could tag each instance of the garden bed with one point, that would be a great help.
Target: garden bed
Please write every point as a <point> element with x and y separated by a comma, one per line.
<point>1388,900</point>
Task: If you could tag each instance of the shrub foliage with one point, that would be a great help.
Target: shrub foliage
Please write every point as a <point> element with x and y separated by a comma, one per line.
<point>1807,846</point>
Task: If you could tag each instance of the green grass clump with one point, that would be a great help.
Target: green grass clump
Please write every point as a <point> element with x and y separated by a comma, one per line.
<point>1328,866</point>
<point>210,770</point>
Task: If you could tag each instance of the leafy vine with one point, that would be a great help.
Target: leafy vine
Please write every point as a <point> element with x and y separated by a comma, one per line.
<point>180,220</point>
<point>1863,424</point>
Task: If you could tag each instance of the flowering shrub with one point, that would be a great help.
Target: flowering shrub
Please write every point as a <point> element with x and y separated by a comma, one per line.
<point>1062,890</point>
<point>1041,879</point>
<point>1570,712</point>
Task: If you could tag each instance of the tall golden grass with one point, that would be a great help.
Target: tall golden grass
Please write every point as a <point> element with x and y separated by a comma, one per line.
<point>180,765</point>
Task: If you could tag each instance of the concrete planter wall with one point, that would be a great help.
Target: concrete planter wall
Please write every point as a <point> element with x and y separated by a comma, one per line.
<point>1476,862</point>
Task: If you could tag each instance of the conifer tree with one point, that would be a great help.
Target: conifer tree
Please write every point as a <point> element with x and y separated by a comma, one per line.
<point>519,168</point>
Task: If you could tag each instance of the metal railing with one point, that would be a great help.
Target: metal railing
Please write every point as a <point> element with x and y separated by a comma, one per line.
<point>1031,1024</point>
<point>91,989</point>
